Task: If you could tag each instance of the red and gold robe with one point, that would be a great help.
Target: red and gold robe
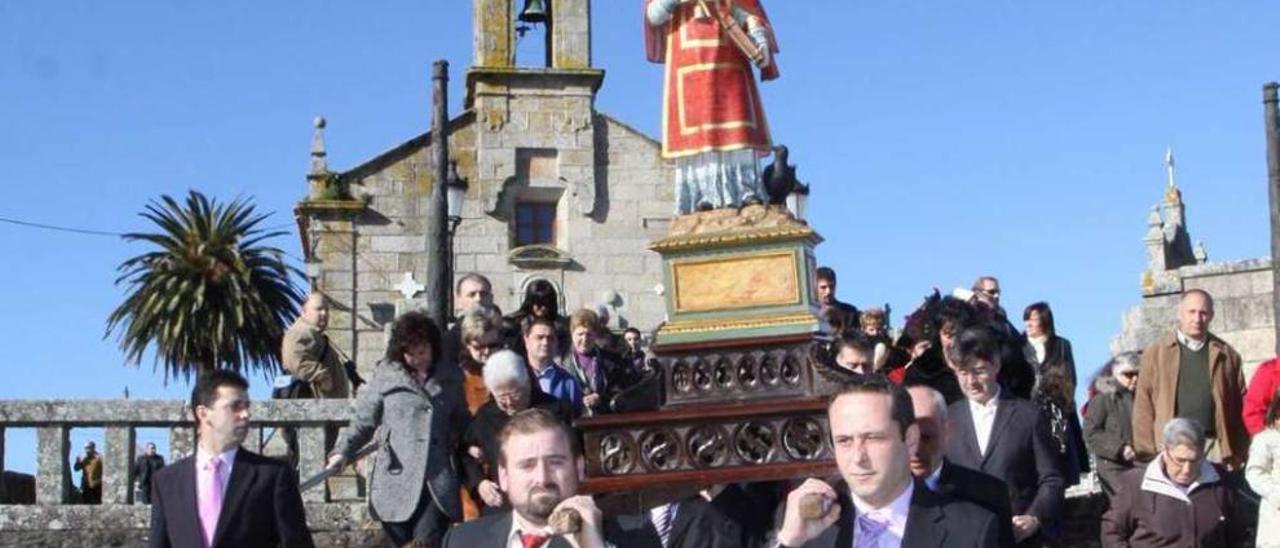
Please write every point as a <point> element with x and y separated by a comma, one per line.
<point>710,99</point>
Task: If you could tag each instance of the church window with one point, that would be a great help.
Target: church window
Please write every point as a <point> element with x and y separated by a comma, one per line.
<point>535,223</point>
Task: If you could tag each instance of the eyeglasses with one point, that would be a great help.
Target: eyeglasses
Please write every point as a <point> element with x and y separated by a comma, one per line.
<point>1129,374</point>
<point>992,292</point>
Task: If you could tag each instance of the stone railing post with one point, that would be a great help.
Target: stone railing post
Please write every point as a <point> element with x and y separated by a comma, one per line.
<point>182,442</point>
<point>253,440</point>
<point>53,476</point>
<point>117,465</point>
<point>311,459</point>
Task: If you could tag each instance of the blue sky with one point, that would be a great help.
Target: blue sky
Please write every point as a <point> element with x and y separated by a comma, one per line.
<point>943,140</point>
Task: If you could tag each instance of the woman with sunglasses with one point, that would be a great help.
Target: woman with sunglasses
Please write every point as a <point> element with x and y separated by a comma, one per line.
<point>1108,420</point>
<point>480,332</point>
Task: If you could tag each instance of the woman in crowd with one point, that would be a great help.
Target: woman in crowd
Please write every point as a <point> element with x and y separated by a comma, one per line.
<point>1263,473</point>
<point>1049,354</point>
<point>952,316</point>
<point>480,332</point>
<point>413,490</point>
<point>540,301</point>
<point>512,390</point>
<point>1059,414</point>
<point>599,372</point>
<point>1108,420</point>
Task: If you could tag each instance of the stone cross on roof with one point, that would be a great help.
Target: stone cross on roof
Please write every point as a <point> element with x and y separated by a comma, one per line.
<point>408,286</point>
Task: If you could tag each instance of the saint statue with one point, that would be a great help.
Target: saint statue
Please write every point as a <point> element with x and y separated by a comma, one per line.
<point>713,124</point>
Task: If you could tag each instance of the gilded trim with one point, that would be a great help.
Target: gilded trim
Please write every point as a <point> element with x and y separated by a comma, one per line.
<point>700,326</point>
<point>730,238</point>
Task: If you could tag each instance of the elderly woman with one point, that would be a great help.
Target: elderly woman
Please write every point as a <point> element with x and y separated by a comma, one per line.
<point>413,489</point>
<point>1108,420</point>
<point>1179,499</point>
<point>507,378</point>
<point>598,371</point>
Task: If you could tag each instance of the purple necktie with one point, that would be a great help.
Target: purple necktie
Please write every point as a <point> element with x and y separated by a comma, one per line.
<point>210,498</point>
<point>870,529</point>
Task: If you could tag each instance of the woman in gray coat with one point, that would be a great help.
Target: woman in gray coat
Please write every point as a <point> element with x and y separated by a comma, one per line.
<point>418,417</point>
<point>1108,420</point>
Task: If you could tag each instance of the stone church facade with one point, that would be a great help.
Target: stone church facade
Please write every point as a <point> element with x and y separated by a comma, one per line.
<point>1242,291</point>
<point>556,190</point>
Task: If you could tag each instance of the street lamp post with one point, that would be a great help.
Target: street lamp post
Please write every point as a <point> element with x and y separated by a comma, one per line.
<point>437,286</point>
<point>456,194</point>
<point>798,200</point>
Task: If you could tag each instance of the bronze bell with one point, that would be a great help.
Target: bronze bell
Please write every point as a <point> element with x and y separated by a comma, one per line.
<point>535,11</point>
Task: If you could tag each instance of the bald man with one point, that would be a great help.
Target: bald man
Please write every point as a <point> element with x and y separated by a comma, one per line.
<point>1194,374</point>
<point>309,356</point>
<point>930,465</point>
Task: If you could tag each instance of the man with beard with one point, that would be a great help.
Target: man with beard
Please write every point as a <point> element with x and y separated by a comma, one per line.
<point>539,467</point>
<point>844,315</point>
<point>226,496</point>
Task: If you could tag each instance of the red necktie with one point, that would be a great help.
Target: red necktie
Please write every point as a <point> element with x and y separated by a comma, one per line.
<point>533,540</point>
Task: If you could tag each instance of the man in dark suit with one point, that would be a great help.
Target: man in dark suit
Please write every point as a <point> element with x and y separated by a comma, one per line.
<point>879,503</point>
<point>1006,437</point>
<point>539,467</point>
<point>930,465</point>
<point>696,522</point>
<point>225,496</point>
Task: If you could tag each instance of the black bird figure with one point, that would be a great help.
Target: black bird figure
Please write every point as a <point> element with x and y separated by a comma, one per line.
<point>779,177</point>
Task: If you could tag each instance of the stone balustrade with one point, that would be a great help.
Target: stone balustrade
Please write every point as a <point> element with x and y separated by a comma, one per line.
<point>54,521</point>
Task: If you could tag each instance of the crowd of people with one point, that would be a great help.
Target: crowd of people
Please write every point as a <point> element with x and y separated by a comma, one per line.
<point>961,430</point>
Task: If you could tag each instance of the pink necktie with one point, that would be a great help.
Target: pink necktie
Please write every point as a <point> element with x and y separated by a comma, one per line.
<point>210,493</point>
<point>870,528</point>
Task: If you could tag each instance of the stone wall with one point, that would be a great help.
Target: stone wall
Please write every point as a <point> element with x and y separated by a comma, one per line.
<point>55,521</point>
<point>1243,314</point>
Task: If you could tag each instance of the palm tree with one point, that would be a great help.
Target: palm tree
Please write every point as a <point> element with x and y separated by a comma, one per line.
<point>211,296</point>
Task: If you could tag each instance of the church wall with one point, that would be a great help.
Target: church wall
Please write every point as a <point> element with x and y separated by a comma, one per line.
<point>608,249</point>
<point>1243,314</point>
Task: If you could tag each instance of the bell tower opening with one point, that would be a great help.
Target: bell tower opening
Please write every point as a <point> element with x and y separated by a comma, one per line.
<point>533,34</point>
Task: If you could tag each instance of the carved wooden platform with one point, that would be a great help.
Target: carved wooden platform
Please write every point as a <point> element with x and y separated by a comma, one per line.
<point>707,444</point>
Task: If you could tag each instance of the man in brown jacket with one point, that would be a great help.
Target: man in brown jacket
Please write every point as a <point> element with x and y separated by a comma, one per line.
<point>308,355</point>
<point>1196,375</point>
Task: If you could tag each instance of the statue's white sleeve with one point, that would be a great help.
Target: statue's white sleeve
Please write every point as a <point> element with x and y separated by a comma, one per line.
<point>758,32</point>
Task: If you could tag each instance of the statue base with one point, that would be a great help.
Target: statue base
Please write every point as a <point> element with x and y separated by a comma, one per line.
<point>742,382</point>
<point>738,275</point>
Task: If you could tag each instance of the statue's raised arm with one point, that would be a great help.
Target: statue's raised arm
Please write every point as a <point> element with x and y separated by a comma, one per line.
<point>713,122</point>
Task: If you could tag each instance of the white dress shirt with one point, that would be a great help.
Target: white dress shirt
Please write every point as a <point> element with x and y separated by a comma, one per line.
<point>984,417</point>
<point>933,479</point>
<point>202,460</point>
<point>1038,347</point>
<point>519,525</point>
<point>895,513</point>
<point>1191,344</point>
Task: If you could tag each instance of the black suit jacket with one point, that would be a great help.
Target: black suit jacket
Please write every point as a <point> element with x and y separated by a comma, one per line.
<point>985,490</point>
<point>261,507</point>
<point>702,524</point>
<point>1020,453</point>
<point>933,521</point>
<point>491,532</point>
